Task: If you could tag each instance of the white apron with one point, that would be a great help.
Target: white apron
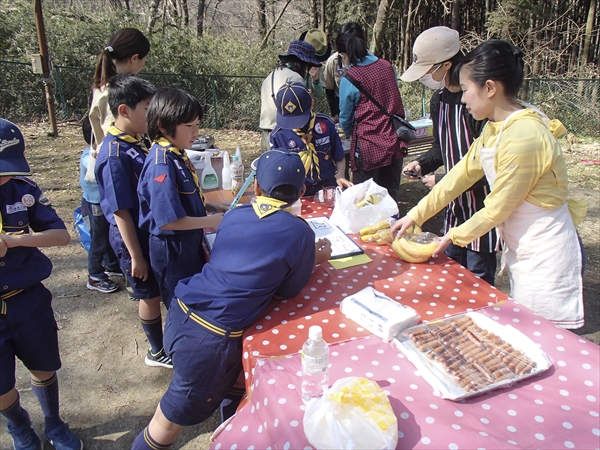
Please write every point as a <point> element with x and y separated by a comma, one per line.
<point>541,250</point>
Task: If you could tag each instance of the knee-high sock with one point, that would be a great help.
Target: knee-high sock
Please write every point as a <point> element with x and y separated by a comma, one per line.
<point>15,414</point>
<point>154,333</point>
<point>144,441</point>
<point>47,394</point>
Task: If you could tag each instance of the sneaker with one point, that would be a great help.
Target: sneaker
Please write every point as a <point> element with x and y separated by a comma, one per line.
<point>25,438</point>
<point>104,286</point>
<point>61,438</point>
<point>159,359</point>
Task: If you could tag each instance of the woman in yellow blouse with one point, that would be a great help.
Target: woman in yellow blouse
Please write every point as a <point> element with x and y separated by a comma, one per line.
<point>525,167</point>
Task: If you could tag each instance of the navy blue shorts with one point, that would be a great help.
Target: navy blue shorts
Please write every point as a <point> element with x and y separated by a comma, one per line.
<point>205,367</point>
<point>28,332</point>
<point>142,290</point>
<point>174,258</point>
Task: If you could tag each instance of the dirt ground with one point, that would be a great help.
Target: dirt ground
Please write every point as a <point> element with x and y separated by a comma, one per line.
<point>108,394</point>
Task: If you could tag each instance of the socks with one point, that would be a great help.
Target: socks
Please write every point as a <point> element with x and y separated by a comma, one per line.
<point>144,441</point>
<point>154,333</point>
<point>230,403</point>
<point>15,414</point>
<point>47,394</point>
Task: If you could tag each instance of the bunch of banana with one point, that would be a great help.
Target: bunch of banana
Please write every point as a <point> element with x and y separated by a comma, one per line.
<point>368,200</point>
<point>380,232</point>
<point>411,251</point>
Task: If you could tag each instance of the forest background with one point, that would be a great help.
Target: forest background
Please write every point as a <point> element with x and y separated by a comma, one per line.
<point>243,37</point>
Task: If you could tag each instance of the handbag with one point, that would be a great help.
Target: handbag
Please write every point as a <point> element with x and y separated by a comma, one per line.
<point>404,130</point>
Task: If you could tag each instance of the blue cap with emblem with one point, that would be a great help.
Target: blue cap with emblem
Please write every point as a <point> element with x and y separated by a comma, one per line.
<point>12,150</point>
<point>293,105</point>
<point>279,167</point>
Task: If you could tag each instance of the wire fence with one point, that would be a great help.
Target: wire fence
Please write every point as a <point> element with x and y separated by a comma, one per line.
<point>233,102</point>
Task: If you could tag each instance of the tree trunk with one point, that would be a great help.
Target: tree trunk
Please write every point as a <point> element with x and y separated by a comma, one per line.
<point>261,13</point>
<point>455,23</point>
<point>407,47</point>
<point>585,57</point>
<point>379,27</point>
<point>153,15</point>
<point>314,6</point>
<point>275,22</point>
<point>185,13</point>
<point>200,18</point>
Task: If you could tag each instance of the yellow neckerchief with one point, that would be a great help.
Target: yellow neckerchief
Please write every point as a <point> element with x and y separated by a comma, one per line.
<point>264,206</point>
<point>135,140</point>
<point>309,156</point>
<point>164,142</point>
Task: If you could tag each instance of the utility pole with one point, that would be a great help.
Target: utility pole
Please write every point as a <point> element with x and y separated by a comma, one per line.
<point>323,15</point>
<point>43,44</point>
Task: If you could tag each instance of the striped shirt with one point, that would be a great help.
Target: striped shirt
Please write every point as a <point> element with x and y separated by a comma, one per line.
<point>454,130</point>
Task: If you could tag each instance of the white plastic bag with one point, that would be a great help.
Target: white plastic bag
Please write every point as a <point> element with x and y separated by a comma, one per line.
<point>355,209</point>
<point>354,413</point>
<point>90,175</point>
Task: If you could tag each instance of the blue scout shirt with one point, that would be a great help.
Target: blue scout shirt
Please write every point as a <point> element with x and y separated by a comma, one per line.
<point>167,191</point>
<point>252,260</point>
<point>327,144</point>
<point>23,208</point>
<point>117,170</point>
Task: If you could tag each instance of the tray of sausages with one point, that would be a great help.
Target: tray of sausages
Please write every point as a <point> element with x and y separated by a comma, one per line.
<point>469,354</point>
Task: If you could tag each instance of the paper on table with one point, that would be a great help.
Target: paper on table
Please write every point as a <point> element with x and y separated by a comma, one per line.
<point>341,245</point>
<point>350,261</point>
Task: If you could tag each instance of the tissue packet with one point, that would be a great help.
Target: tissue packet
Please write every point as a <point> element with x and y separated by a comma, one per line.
<point>378,313</point>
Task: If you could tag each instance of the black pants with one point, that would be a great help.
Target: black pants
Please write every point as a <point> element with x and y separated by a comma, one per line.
<point>387,176</point>
<point>101,255</point>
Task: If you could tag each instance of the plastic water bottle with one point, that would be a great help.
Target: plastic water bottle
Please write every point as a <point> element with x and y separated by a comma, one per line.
<point>315,365</point>
<point>226,173</point>
<point>237,174</point>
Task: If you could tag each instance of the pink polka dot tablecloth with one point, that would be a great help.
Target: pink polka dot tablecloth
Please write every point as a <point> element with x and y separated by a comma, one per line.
<point>435,289</point>
<point>558,409</point>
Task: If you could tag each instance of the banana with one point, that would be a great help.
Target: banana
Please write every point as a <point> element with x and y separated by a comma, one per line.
<point>369,237</point>
<point>368,200</point>
<point>411,251</point>
<point>374,228</point>
<point>385,235</point>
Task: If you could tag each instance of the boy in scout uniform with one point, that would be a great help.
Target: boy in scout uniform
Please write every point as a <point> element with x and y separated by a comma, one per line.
<point>250,264</point>
<point>28,330</point>
<point>311,135</point>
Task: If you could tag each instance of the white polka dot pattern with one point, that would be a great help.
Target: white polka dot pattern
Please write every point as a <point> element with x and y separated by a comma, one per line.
<point>543,412</point>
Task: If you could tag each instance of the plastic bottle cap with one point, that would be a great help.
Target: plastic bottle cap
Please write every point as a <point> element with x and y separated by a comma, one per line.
<point>235,157</point>
<point>315,333</point>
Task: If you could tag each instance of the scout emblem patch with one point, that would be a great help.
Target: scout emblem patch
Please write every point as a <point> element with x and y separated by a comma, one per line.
<point>160,178</point>
<point>321,128</point>
<point>44,200</point>
<point>292,143</point>
<point>28,200</point>
<point>290,107</point>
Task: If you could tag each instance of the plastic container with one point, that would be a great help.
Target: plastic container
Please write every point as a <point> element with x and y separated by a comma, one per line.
<point>297,207</point>
<point>237,174</point>
<point>226,172</point>
<point>315,365</point>
<point>209,178</point>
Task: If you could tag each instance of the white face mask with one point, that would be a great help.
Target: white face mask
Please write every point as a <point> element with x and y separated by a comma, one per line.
<point>428,80</point>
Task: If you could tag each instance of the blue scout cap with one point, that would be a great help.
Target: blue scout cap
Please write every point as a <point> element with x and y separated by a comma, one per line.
<point>12,150</point>
<point>293,105</point>
<point>278,167</point>
<point>303,51</point>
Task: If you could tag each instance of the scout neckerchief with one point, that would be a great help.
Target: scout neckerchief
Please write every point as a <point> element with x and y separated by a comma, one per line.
<point>136,140</point>
<point>165,143</point>
<point>264,206</point>
<point>309,156</point>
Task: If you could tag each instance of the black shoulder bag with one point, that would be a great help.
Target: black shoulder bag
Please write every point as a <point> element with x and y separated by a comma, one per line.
<point>404,130</point>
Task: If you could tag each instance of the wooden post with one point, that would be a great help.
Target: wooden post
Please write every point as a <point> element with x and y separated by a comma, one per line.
<point>323,16</point>
<point>43,44</point>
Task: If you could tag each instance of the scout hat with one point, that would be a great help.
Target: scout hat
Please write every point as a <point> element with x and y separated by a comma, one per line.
<point>293,103</point>
<point>12,150</point>
<point>279,167</point>
<point>303,51</point>
<point>432,46</point>
<point>318,39</point>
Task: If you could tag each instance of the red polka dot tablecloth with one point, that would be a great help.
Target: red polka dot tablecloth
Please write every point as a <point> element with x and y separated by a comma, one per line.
<point>435,289</point>
<point>557,409</point>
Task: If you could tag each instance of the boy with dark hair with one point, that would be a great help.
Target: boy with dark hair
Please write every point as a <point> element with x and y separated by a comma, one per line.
<point>312,135</point>
<point>249,265</point>
<point>28,330</point>
<point>102,260</point>
<point>118,169</point>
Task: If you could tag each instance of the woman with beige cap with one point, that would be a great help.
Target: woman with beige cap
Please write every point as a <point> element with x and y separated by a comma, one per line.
<point>436,57</point>
<point>318,39</point>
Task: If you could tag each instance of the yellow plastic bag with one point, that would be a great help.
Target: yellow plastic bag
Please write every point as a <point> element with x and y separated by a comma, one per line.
<point>354,413</point>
